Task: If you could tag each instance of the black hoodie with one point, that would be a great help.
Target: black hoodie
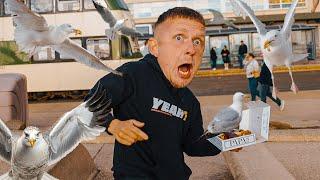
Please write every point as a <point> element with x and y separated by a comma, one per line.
<point>172,118</point>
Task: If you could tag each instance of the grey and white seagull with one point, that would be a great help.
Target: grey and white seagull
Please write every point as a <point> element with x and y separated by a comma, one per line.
<point>32,33</point>
<point>32,152</point>
<point>116,26</point>
<point>219,19</point>
<point>228,118</point>
<point>276,45</point>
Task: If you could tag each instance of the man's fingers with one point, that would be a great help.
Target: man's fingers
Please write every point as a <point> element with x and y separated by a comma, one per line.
<point>137,123</point>
<point>133,135</point>
<point>122,141</point>
<point>126,137</point>
<point>140,133</point>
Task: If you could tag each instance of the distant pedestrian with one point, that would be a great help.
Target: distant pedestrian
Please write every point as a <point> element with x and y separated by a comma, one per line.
<point>213,58</point>
<point>243,49</point>
<point>252,73</point>
<point>225,57</point>
<point>144,49</point>
<point>265,86</point>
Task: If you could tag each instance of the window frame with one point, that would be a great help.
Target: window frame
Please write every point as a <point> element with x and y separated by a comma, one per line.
<point>53,11</point>
<point>84,9</point>
<point>68,11</point>
<point>85,45</point>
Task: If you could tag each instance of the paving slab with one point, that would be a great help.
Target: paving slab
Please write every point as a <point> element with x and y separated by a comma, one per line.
<point>301,159</point>
<point>256,162</point>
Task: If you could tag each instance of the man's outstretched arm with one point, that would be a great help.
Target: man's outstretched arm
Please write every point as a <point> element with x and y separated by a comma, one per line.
<point>194,145</point>
<point>120,88</point>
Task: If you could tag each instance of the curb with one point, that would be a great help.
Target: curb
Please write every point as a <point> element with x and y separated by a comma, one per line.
<point>255,162</point>
<point>294,135</point>
<point>280,69</point>
<point>102,139</point>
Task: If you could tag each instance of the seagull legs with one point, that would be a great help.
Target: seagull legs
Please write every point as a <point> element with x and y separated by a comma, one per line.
<point>294,87</point>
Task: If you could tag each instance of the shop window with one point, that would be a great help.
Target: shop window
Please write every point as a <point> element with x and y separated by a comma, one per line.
<point>99,47</point>
<point>41,6</point>
<point>68,5</point>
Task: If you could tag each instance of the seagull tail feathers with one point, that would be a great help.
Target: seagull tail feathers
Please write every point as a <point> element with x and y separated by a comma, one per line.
<point>111,34</point>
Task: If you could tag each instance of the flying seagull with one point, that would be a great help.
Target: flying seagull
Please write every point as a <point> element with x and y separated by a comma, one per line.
<point>228,118</point>
<point>32,33</point>
<point>218,19</point>
<point>276,45</point>
<point>32,152</point>
<point>116,26</point>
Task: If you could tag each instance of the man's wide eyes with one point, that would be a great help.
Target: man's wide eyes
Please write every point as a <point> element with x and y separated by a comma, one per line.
<point>196,42</point>
<point>179,38</point>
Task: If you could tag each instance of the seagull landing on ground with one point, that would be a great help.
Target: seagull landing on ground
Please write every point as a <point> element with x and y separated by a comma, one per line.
<point>116,26</point>
<point>276,45</point>
<point>32,152</point>
<point>32,33</point>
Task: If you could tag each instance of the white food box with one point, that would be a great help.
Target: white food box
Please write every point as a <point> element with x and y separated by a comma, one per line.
<point>256,119</point>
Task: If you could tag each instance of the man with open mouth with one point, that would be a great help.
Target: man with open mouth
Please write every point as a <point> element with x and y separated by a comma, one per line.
<point>156,118</point>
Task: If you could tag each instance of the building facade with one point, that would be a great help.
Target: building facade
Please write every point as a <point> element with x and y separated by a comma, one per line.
<point>305,37</point>
<point>82,14</point>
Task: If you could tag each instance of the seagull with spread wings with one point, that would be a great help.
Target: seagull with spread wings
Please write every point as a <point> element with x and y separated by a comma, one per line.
<point>116,26</point>
<point>276,45</point>
<point>32,33</point>
<point>219,19</point>
<point>32,152</point>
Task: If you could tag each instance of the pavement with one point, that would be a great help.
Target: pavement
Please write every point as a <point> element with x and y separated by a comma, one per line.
<point>294,138</point>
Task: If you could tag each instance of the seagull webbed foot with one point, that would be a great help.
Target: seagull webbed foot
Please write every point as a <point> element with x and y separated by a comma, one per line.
<point>294,88</point>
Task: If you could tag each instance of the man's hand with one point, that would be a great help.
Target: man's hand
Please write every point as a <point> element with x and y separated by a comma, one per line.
<point>127,132</point>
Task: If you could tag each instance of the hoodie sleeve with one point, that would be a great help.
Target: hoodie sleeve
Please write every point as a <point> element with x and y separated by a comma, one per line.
<point>118,87</point>
<point>193,145</point>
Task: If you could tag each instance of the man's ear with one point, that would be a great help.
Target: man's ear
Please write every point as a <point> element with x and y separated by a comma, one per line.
<point>153,46</point>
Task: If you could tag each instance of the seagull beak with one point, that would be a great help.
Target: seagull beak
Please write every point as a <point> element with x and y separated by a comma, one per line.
<point>246,97</point>
<point>77,31</point>
<point>32,142</point>
<point>267,44</point>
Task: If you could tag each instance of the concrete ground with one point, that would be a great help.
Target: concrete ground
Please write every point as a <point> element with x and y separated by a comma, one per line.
<point>302,159</point>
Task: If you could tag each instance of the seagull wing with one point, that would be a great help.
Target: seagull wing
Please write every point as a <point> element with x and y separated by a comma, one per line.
<point>130,31</point>
<point>105,13</point>
<point>217,17</point>
<point>5,142</point>
<point>289,20</point>
<point>81,55</point>
<point>231,24</point>
<point>226,120</point>
<point>24,17</point>
<point>81,123</point>
<point>242,9</point>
